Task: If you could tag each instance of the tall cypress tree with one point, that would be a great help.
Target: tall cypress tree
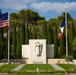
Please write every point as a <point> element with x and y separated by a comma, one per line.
<point>34,32</point>
<point>22,38</point>
<point>55,42</point>
<point>6,47</point>
<point>27,34</point>
<point>62,49</point>
<point>49,34</point>
<point>18,50</point>
<point>72,35</point>
<point>14,41</point>
<point>44,32</point>
<point>1,41</point>
<point>30,33</point>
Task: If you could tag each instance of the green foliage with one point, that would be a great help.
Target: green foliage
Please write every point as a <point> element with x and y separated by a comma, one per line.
<point>72,35</point>
<point>18,46</point>
<point>55,42</point>
<point>44,31</point>
<point>69,58</point>
<point>13,53</point>
<point>74,47</point>
<point>49,34</point>
<point>27,34</point>
<point>4,60</point>
<point>62,49</point>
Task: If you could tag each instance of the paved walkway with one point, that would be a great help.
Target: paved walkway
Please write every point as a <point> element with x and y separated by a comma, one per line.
<point>18,67</point>
<point>56,67</point>
<point>4,74</point>
<point>71,73</point>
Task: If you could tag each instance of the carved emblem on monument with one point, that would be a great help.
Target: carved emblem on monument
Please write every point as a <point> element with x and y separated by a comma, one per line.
<point>38,48</point>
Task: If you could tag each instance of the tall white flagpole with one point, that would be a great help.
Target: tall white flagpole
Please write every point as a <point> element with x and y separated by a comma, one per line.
<point>8,36</point>
<point>66,34</point>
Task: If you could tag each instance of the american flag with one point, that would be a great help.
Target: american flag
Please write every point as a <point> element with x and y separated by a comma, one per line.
<point>4,20</point>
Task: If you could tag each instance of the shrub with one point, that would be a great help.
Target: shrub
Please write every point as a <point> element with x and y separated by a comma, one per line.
<point>69,58</point>
<point>4,60</point>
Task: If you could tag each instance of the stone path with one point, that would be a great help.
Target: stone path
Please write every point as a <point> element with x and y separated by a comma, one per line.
<point>4,74</point>
<point>71,73</point>
<point>18,67</point>
<point>56,67</point>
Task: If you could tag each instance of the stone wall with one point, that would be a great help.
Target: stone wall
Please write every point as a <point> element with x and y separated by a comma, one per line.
<point>19,61</point>
<point>56,61</point>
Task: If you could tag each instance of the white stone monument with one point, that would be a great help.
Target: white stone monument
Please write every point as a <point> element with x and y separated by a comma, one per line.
<point>37,51</point>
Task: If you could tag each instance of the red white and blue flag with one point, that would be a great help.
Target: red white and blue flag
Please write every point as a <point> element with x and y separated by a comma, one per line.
<point>62,28</point>
<point>4,20</point>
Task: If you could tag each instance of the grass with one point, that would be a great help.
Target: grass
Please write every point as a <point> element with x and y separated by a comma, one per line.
<point>39,66</point>
<point>7,67</point>
<point>41,74</point>
<point>67,67</point>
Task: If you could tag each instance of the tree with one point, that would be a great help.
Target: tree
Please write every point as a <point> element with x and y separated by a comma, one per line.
<point>34,32</point>
<point>14,41</point>
<point>44,31</point>
<point>49,34</point>
<point>62,48</point>
<point>30,33</point>
<point>14,16</point>
<point>74,47</point>
<point>1,41</point>
<point>31,16</point>
<point>72,35</point>
<point>27,35</point>
<point>55,41</point>
<point>18,46</point>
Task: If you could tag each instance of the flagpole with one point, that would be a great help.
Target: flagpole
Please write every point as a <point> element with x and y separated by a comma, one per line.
<point>8,37</point>
<point>66,34</point>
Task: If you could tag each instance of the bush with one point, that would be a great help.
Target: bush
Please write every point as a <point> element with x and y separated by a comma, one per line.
<point>69,58</point>
<point>4,60</point>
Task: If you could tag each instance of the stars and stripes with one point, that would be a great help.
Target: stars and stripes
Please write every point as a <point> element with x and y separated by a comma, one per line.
<point>4,20</point>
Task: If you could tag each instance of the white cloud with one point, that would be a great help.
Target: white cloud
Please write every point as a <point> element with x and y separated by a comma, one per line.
<point>55,6</point>
<point>41,6</point>
<point>15,4</point>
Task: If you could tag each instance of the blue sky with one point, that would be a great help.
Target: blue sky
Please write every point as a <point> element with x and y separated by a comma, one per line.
<point>48,8</point>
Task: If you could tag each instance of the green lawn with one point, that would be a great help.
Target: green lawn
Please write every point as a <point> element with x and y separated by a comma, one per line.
<point>67,67</point>
<point>39,66</point>
<point>7,67</point>
<point>41,74</point>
